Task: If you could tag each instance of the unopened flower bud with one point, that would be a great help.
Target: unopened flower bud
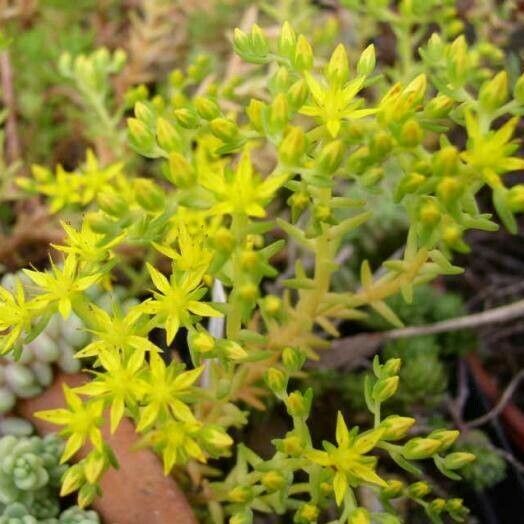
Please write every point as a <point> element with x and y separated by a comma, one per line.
<point>276,381</point>
<point>449,188</point>
<point>429,213</point>
<point>293,146</point>
<point>411,133</point>
<point>254,113</point>
<point>494,93</point>
<point>385,388</point>
<point>287,41</point>
<point>446,437</point>
<point>458,460</point>
<point>391,367</point>
<point>245,517</point>
<point>292,445</point>
<point>293,359</point>
<point>223,128</point>
<point>167,135</point>
<point>297,404</point>
<point>308,513</point>
<point>420,448</point>
<point>141,138</point>
<point>394,489</point>
<point>206,108</point>
<point>273,481</point>
<point>258,40</point>
<point>337,70</point>
<point>272,304</point>
<point>202,342</point>
<point>366,62</point>
<point>186,117</point>
<point>297,94</point>
<point>149,196</point>
<point>437,506</point>
<point>278,113</point>
<point>419,489</point>
<point>215,437</point>
<point>303,57</point>
<point>331,157</point>
<point>180,170</point>
<point>359,516</point>
<point>240,494</point>
<point>396,427</point>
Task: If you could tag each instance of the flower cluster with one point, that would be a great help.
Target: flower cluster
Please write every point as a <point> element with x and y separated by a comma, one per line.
<point>243,173</point>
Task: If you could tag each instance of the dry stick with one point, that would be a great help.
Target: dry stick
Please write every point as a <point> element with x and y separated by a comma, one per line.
<point>6,78</point>
<point>504,399</point>
<point>350,350</point>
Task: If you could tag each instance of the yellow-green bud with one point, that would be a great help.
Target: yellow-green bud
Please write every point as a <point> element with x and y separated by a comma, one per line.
<point>292,445</point>
<point>206,108</point>
<point>297,405</point>
<point>451,234</point>
<point>112,203</point>
<point>203,342</point>
<point>141,138</point>
<point>337,70</point>
<point>293,359</point>
<point>278,113</point>
<point>287,41</point>
<point>458,460</point>
<point>449,188</point>
<point>240,494</point>
<point>276,381</point>
<point>258,40</point>
<point>330,157</point>
<point>215,437</point>
<point>224,129</point>
<point>293,146</point>
<point>419,489</point>
<point>186,117</point>
<point>273,481</point>
<point>272,304</point>
<point>455,505</point>
<point>100,223</point>
<point>439,107</point>
<point>148,195</point>
<point>72,480</point>
<point>87,494</point>
<point>429,213</point>
<point>322,213</point>
<point>167,136</point>
<point>297,94</point>
<point>437,506</point>
<point>396,427</point>
<point>411,133</point>
<point>248,291</point>
<point>144,113</point>
<point>409,183</point>
<point>254,113</point>
<point>367,61</point>
<point>420,448</point>
<point>394,489</point>
<point>233,350</point>
<point>241,42</point>
<point>180,170</point>
<point>446,161</point>
<point>280,80</point>
<point>223,239</point>
<point>446,437</point>
<point>248,259</point>
<point>391,367</point>
<point>515,198</point>
<point>518,90</point>
<point>359,516</point>
<point>380,144</point>
<point>245,517</point>
<point>494,93</point>
<point>303,57</point>
<point>308,513</point>
<point>385,388</point>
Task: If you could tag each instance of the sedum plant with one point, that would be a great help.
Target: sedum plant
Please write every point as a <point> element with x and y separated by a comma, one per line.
<point>30,481</point>
<point>246,169</point>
